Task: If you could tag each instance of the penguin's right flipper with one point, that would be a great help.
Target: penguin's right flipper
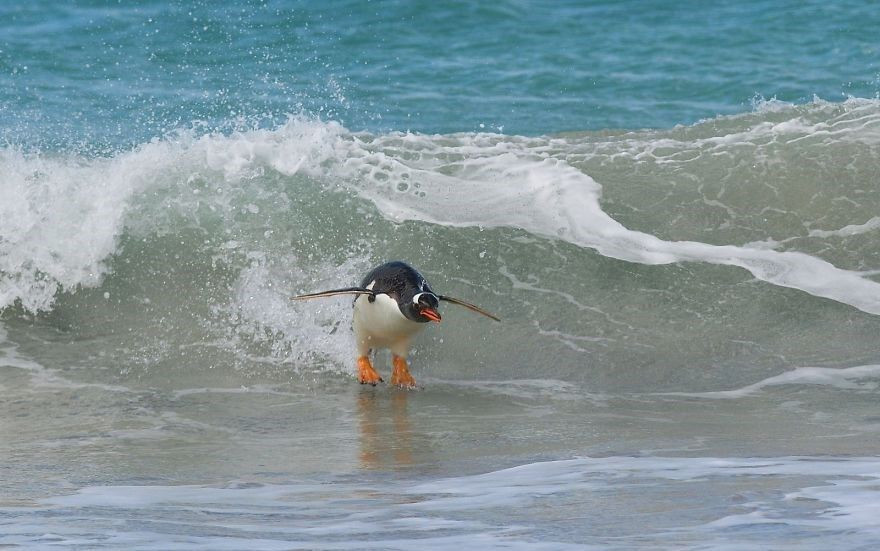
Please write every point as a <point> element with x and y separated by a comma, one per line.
<point>334,292</point>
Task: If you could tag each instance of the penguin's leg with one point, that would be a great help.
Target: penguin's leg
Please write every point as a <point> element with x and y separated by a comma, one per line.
<point>366,374</point>
<point>401,376</point>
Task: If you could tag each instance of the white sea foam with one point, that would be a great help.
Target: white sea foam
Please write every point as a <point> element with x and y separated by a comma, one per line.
<point>297,331</point>
<point>58,222</point>
<point>835,499</point>
<point>861,377</point>
<point>484,180</point>
<point>529,389</point>
<point>62,217</point>
<point>493,181</point>
<point>851,229</point>
<point>505,184</point>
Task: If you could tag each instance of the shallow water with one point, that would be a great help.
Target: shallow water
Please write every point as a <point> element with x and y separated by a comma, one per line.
<point>324,463</point>
<point>687,271</point>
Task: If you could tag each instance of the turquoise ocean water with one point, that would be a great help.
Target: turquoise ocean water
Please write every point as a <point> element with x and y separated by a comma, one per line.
<point>674,207</point>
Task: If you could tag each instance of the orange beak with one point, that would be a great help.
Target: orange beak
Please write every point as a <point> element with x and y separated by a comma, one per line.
<point>430,313</point>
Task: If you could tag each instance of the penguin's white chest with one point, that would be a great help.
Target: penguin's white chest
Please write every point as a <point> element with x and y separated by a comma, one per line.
<point>380,324</point>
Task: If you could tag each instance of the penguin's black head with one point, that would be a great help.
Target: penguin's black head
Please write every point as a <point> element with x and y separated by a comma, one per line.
<point>423,307</point>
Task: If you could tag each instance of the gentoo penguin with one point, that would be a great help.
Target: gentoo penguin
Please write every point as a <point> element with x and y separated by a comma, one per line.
<point>393,303</point>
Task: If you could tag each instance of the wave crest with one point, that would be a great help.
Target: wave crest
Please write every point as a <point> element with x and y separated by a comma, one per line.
<point>61,217</point>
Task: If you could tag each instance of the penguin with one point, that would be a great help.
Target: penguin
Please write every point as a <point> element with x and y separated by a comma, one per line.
<point>393,303</point>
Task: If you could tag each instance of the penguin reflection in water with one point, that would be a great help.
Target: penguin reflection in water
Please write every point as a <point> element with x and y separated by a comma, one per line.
<point>393,303</point>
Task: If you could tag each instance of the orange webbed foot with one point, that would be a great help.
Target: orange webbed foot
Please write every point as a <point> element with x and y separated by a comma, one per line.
<point>366,374</point>
<point>401,376</point>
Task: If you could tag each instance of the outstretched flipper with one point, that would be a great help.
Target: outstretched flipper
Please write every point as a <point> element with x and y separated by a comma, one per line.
<point>469,306</point>
<point>334,292</point>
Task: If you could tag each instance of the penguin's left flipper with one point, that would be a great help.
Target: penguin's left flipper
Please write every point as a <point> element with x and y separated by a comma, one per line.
<point>469,306</point>
<point>334,292</point>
